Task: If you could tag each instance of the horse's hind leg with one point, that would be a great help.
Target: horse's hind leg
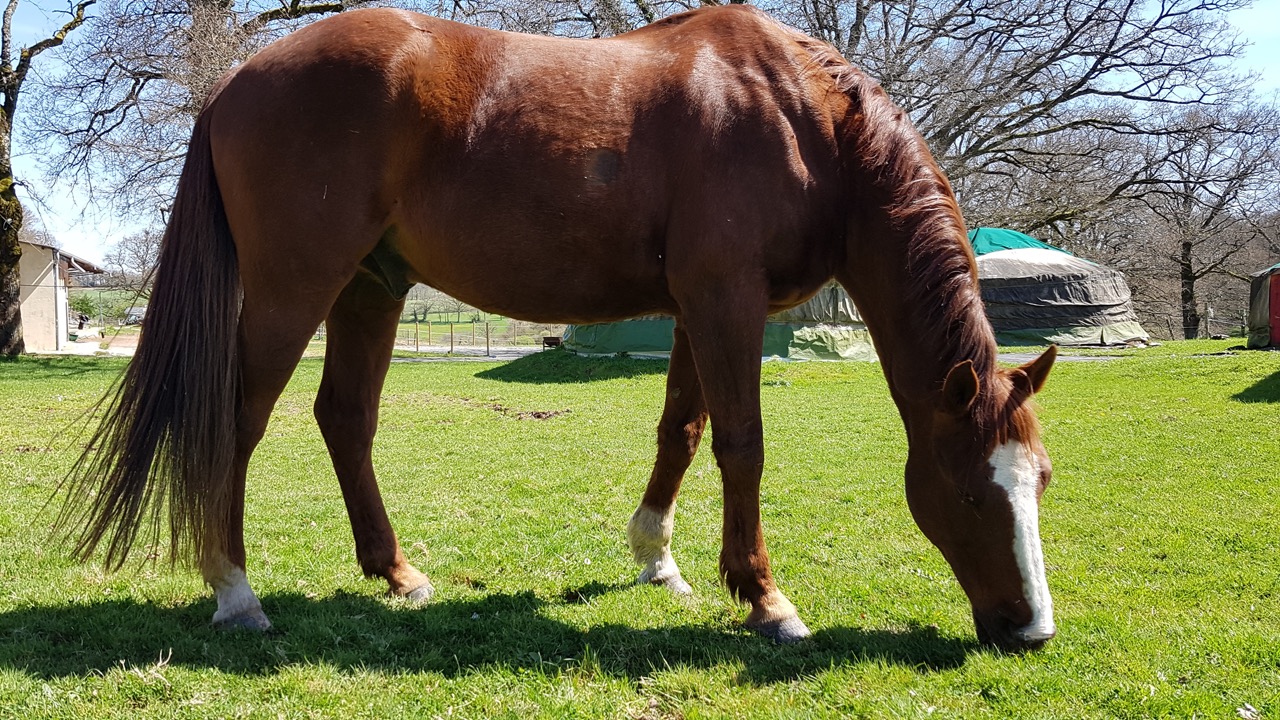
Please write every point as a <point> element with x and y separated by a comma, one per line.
<point>679,432</point>
<point>275,327</point>
<point>361,333</point>
<point>727,340</point>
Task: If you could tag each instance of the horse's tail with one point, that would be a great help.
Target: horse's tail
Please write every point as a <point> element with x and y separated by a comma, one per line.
<point>167,435</point>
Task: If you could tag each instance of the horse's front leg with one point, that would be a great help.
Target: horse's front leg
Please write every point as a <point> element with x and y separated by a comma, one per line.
<point>727,339</point>
<point>679,432</point>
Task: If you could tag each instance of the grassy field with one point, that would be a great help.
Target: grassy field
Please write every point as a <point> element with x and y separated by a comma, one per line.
<point>1160,533</point>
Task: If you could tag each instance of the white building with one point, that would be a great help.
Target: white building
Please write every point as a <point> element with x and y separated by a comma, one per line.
<point>46,274</point>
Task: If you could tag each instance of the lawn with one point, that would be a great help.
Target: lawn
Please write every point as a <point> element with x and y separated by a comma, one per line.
<point>1160,533</point>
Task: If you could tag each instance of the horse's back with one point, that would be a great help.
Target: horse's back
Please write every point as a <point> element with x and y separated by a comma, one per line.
<point>467,151</point>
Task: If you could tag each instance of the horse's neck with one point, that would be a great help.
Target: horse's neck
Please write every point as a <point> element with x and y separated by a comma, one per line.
<point>909,268</point>
<point>919,297</point>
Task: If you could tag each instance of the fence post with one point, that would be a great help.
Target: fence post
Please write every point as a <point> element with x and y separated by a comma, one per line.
<point>416,346</point>
<point>487,352</point>
<point>450,338</point>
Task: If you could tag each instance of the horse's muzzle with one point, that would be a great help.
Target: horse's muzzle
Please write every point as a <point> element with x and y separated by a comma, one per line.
<point>996,629</point>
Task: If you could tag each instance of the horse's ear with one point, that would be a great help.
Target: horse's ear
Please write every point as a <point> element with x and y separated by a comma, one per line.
<point>1037,371</point>
<point>960,388</point>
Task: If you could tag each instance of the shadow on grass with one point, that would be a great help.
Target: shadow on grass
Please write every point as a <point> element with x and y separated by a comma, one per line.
<point>1266,390</point>
<point>562,366</point>
<point>453,638</point>
<point>46,366</point>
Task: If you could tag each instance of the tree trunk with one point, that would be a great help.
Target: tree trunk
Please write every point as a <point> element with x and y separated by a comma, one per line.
<point>10,252</point>
<point>10,295</point>
<point>1187,277</point>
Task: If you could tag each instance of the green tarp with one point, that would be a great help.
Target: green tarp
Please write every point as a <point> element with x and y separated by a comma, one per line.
<point>1111,334</point>
<point>1036,294</point>
<point>988,240</point>
<point>826,327</point>
<point>791,340</point>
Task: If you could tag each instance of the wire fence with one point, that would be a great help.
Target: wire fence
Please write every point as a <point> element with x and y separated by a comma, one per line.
<point>1170,327</point>
<point>457,336</point>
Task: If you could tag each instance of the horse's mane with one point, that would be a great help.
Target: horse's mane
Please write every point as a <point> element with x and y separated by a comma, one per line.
<point>920,207</point>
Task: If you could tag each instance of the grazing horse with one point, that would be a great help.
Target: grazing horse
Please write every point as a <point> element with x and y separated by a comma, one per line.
<point>716,166</point>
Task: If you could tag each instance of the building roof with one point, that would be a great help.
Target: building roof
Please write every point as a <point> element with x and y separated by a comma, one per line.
<point>76,265</point>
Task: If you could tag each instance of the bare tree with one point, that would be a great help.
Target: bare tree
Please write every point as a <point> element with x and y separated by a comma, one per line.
<point>422,301</point>
<point>131,263</point>
<point>1021,94</point>
<point>454,305</point>
<point>34,232</point>
<point>14,69</point>
<point>568,18</point>
<point>118,116</point>
<point>1215,183</point>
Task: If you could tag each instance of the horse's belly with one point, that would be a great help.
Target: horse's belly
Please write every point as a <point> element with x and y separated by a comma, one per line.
<point>541,275</point>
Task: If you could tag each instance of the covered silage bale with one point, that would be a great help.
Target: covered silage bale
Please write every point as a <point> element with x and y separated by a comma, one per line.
<point>1037,294</point>
<point>1264,308</point>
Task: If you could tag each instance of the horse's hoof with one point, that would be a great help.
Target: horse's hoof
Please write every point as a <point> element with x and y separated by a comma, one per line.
<point>677,585</point>
<point>421,594</point>
<point>253,620</point>
<point>784,632</point>
<point>674,583</point>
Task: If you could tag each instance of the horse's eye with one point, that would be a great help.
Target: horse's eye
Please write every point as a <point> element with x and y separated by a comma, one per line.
<point>967,497</point>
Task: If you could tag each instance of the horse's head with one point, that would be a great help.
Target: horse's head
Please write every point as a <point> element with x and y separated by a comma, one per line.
<point>975,492</point>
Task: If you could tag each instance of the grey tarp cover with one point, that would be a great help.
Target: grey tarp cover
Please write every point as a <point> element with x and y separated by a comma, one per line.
<point>1039,295</point>
<point>1260,309</point>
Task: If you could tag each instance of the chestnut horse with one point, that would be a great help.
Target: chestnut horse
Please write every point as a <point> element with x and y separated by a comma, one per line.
<point>716,166</point>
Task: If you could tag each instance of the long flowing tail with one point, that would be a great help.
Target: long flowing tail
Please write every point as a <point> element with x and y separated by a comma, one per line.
<point>167,435</point>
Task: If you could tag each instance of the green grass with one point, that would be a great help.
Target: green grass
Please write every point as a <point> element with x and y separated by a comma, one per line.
<point>1160,532</point>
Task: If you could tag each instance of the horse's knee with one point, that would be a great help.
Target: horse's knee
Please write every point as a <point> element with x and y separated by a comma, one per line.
<point>740,457</point>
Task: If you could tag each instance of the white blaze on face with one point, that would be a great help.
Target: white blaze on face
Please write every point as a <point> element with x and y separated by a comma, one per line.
<point>1017,471</point>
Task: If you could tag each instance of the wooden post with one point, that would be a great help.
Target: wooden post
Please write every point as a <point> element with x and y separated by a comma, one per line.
<point>450,338</point>
<point>487,352</point>
<point>416,346</point>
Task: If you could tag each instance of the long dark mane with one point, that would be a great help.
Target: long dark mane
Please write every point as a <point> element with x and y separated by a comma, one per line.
<point>921,208</point>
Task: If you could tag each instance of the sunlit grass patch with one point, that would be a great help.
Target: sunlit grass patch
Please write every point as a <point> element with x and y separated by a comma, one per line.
<point>511,485</point>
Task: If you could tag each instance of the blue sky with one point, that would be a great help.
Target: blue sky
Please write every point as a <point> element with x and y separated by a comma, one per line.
<point>90,233</point>
<point>1260,24</point>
